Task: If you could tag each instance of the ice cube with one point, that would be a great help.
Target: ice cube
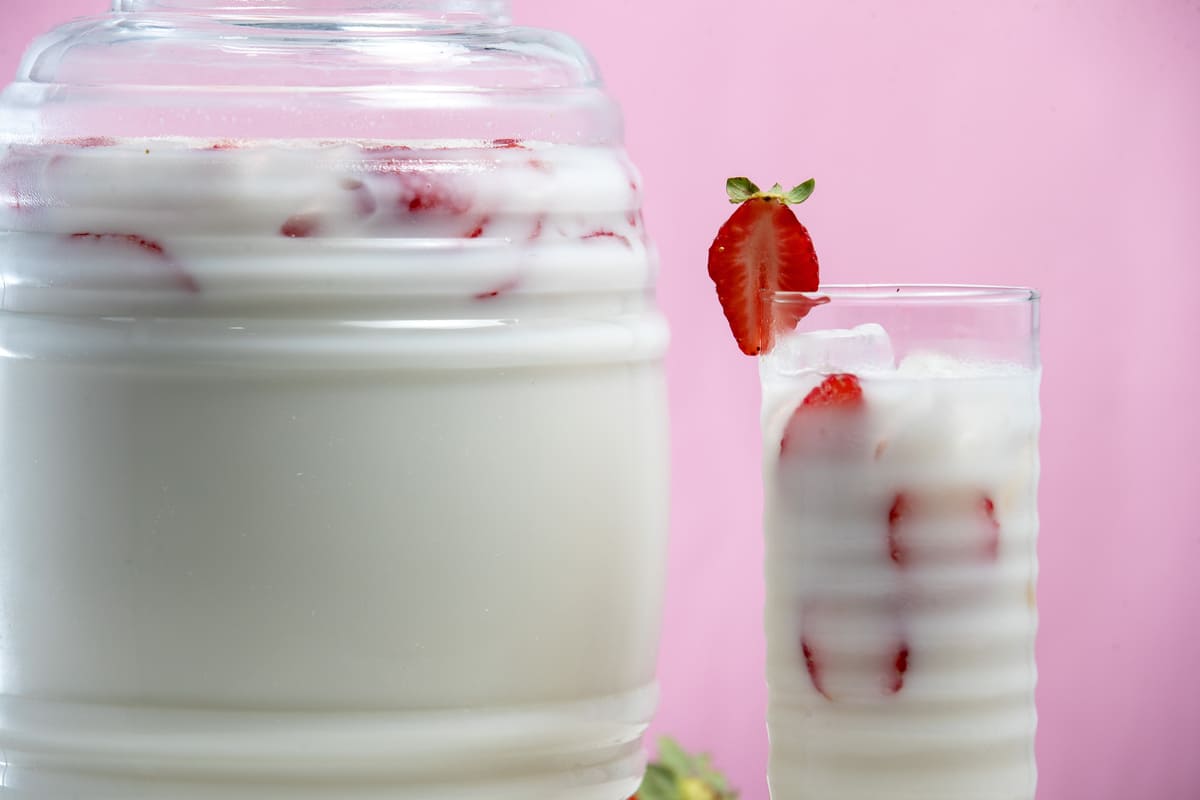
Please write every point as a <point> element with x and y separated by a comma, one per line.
<point>863,349</point>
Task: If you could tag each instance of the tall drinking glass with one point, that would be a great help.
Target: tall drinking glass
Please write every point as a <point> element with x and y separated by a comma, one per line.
<point>900,436</point>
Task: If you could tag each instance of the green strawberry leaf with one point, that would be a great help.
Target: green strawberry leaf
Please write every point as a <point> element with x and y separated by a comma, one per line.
<point>740,189</point>
<point>676,775</point>
<point>674,758</point>
<point>658,784</point>
<point>710,775</point>
<point>800,193</point>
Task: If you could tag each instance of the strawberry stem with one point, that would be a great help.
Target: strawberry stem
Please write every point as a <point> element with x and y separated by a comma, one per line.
<point>742,189</point>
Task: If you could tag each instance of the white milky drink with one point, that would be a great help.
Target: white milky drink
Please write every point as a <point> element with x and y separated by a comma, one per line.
<point>333,424</point>
<point>330,469</point>
<point>900,483</point>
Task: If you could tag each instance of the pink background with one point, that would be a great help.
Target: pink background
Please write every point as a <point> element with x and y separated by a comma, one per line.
<point>1046,142</point>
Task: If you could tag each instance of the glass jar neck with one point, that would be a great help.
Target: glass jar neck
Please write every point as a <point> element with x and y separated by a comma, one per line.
<point>492,9</point>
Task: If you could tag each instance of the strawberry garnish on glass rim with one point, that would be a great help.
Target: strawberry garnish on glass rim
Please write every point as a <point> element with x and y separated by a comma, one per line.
<point>760,250</point>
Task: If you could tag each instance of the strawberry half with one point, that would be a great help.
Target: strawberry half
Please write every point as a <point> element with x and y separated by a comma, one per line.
<point>761,249</point>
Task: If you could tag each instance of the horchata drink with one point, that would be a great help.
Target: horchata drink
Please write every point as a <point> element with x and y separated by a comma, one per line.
<point>900,466</point>
<point>334,450</point>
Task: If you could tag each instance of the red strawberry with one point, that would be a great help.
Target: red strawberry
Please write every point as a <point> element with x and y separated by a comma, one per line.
<point>912,512</point>
<point>300,226</point>
<point>419,195</point>
<point>839,392</point>
<point>901,508</point>
<point>991,542</point>
<point>761,249</point>
<point>606,234</point>
<point>841,675</point>
<point>539,224</point>
<point>814,667</point>
<point>507,286</point>
<point>899,667</point>
<point>479,229</point>
<point>180,277</point>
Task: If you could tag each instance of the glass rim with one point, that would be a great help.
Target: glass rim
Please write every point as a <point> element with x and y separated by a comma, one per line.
<point>911,293</point>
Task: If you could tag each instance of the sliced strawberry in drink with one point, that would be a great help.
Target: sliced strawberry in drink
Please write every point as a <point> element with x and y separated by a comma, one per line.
<point>504,288</point>
<point>855,649</point>
<point>760,250</point>
<point>897,514</point>
<point>420,184</point>
<point>947,525</point>
<point>839,390</point>
<point>479,229</point>
<point>300,226</point>
<point>148,245</point>
<point>419,198</point>
<point>385,148</point>
<point>179,277</point>
<point>898,669</point>
<point>828,418</point>
<point>422,193</point>
<point>813,666</point>
<point>631,175</point>
<point>539,225</point>
<point>607,234</point>
<point>991,541</point>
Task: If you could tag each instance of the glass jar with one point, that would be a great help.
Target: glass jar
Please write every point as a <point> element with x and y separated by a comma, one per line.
<point>333,453</point>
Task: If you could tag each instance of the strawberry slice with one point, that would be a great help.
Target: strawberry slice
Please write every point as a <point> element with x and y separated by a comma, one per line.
<point>761,249</point>
<point>864,672</point>
<point>991,542</point>
<point>839,390</point>
<point>180,277</point>
<point>300,226</point>
<point>901,508</point>
<point>822,419</point>
<point>814,667</point>
<point>912,514</point>
<point>899,667</point>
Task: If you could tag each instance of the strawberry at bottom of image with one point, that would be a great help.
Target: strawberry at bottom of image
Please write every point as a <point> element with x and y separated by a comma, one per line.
<point>677,775</point>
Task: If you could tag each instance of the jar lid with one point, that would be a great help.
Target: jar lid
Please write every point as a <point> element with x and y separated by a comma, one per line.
<point>308,69</point>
